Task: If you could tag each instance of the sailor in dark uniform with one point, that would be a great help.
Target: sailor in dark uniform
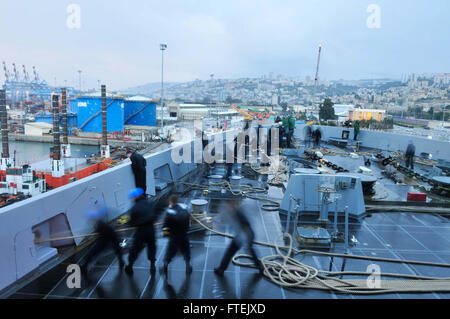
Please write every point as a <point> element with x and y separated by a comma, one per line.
<point>142,216</point>
<point>244,236</point>
<point>138,164</point>
<point>409,154</point>
<point>309,136</point>
<point>246,133</point>
<point>269,140</point>
<point>106,237</point>
<point>177,224</point>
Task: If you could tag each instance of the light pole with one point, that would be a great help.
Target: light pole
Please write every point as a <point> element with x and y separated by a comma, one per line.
<point>163,47</point>
<point>79,73</point>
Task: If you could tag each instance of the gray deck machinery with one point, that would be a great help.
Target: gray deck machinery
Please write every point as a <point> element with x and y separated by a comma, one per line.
<point>311,199</point>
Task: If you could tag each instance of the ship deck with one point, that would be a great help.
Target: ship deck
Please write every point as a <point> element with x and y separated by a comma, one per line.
<point>400,235</point>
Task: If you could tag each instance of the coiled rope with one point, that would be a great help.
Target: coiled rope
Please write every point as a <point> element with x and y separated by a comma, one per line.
<point>283,270</point>
<point>244,191</point>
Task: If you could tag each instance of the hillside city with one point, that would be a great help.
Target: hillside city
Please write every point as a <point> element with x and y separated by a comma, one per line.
<point>417,95</point>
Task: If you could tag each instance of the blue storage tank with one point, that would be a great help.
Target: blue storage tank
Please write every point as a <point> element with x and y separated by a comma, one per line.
<point>90,115</point>
<point>140,110</point>
<point>73,106</point>
<point>47,117</point>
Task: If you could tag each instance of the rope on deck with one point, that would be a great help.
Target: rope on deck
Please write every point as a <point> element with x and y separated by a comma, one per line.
<point>283,270</point>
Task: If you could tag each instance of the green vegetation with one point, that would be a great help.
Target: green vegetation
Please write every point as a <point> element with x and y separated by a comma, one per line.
<point>418,113</point>
<point>302,117</point>
<point>326,111</point>
<point>386,124</point>
<point>232,100</point>
<point>328,123</point>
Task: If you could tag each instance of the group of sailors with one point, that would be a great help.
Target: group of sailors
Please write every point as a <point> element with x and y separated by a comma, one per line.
<point>287,127</point>
<point>313,135</point>
<point>143,216</point>
<point>278,134</point>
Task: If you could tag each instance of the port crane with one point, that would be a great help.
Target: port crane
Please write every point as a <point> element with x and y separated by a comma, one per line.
<point>26,77</point>
<point>15,73</point>
<point>7,73</point>
<point>316,79</point>
<point>37,79</point>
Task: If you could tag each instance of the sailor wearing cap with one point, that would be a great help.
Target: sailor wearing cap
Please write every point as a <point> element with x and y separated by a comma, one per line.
<point>177,224</point>
<point>143,217</point>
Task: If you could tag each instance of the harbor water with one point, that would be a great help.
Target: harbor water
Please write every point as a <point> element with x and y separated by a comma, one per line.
<point>30,152</point>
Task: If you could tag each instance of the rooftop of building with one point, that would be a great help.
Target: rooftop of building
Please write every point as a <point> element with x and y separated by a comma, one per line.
<point>139,98</point>
<point>43,125</point>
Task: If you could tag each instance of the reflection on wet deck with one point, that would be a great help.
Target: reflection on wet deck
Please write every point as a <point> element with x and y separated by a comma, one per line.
<point>408,236</point>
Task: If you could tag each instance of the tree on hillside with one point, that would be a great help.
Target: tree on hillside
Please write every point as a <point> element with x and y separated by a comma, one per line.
<point>206,100</point>
<point>230,100</point>
<point>326,111</point>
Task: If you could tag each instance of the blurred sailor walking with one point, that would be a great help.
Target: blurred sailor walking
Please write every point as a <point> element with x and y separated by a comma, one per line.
<point>409,155</point>
<point>177,224</point>
<point>143,217</point>
<point>244,236</point>
<point>106,237</point>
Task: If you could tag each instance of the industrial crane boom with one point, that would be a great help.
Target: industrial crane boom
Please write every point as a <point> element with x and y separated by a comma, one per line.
<point>247,115</point>
<point>316,79</point>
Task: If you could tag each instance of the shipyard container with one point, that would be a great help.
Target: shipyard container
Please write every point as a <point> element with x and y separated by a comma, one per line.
<point>417,197</point>
<point>37,128</point>
<point>90,115</point>
<point>140,110</point>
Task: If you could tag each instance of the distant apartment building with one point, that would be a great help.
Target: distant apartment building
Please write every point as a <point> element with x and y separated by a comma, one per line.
<point>442,79</point>
<point>196,111</point>
<point>275,99</point>
<point>366,114</point>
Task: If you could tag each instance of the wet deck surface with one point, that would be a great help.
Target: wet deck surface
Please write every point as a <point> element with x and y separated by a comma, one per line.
<point>394,235</point>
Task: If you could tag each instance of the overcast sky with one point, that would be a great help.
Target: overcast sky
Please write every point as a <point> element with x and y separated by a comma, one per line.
<point>118,42</point>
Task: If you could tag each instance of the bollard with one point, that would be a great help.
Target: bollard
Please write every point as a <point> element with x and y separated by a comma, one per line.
<point>296,218</point>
